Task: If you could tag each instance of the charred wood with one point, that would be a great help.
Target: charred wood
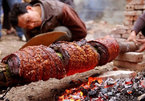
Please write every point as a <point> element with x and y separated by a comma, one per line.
<point>50,89</point>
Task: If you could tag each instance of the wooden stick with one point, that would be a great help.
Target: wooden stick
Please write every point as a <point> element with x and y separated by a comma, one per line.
<point>126,46</point>
<point>49,90</point>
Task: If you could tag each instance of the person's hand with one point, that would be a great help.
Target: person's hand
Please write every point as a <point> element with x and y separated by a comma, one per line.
<point>132,37</point>
<point>142,45</point>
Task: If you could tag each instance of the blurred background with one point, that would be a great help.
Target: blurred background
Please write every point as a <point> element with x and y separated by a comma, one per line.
<point>106,10</point>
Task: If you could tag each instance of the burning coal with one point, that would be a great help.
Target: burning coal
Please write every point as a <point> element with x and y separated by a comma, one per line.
<point>107,89</point>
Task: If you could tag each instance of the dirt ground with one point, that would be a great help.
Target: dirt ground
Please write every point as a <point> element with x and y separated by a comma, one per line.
<point>9,44</point>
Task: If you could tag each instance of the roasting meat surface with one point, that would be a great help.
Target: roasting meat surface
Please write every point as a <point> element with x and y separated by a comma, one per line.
<point>60,59</point>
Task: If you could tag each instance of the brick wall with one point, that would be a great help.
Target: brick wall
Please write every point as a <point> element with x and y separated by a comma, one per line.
<point>134,9</point>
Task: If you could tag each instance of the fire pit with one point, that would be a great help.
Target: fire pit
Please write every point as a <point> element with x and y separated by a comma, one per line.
<point>107,89</point>
<point>59,60</point>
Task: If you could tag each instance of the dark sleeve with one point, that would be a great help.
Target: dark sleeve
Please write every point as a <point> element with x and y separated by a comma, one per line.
<point>139,24</point>
<point>29,34</point>
<point>71,20</point>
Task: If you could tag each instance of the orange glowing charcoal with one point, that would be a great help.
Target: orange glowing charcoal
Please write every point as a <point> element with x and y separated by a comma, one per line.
<point>100,80</point>
<point>129,92</point>
<point>124,89</point>
<point>81,93</point>
<point>130,82</point>
<point>107,86</point>
<point>91,79</point>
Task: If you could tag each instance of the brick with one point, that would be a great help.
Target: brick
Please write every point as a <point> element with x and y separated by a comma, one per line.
<point>128,23</point>
<point>116,35</point>
<point>131,57</point>
<point>125,36</point>
<point>128,1</point>
<point>129,65</point>
<point>139,7</point>
<point>132,13</point>
<point>129,7</point>
<point>129,18</point>
<point>129,12</point>
<point>139,2</point>
<point>135,18</point>
<point>139,12</point>
<point>129,31</point>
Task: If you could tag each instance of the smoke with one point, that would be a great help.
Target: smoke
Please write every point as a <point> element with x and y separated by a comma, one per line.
<point>90,9</point>
<point>107,10</point>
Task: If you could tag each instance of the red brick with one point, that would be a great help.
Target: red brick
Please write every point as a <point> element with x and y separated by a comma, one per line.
<point>129,65</point>
<point>131,57</point>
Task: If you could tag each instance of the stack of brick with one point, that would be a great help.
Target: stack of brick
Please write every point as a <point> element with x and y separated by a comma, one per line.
<point>122,31</point>
<point>134,9</point>
<point>128,1</point>
<point>130,60</point>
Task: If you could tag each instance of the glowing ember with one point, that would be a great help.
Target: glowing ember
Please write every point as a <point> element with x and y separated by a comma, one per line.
<point>107,89</point>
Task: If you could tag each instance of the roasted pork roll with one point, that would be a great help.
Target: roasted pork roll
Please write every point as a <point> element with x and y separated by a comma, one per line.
<point>35,63</point>
<point>77,58</point>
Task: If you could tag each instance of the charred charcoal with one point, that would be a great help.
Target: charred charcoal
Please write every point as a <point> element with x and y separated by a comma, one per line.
<point>101,95</point>
<point>85,91</point>
<point>110,82</point>
<point>76,97</point>
<point>97,84</point>
<point>104,90</point>
<point>92,85</point>
<point>137,79</point>
<point>110,93</point>
<point>92,93</point>
<point>113,99</point>
<point>87,99</point>
<point>117,92</point>
<point>128,86</point>
<point>95,99</point>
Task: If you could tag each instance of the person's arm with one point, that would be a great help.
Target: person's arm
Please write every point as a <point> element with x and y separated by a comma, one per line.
<point>138,26</point>
<point>132,37</point>
<point>142,45</point>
